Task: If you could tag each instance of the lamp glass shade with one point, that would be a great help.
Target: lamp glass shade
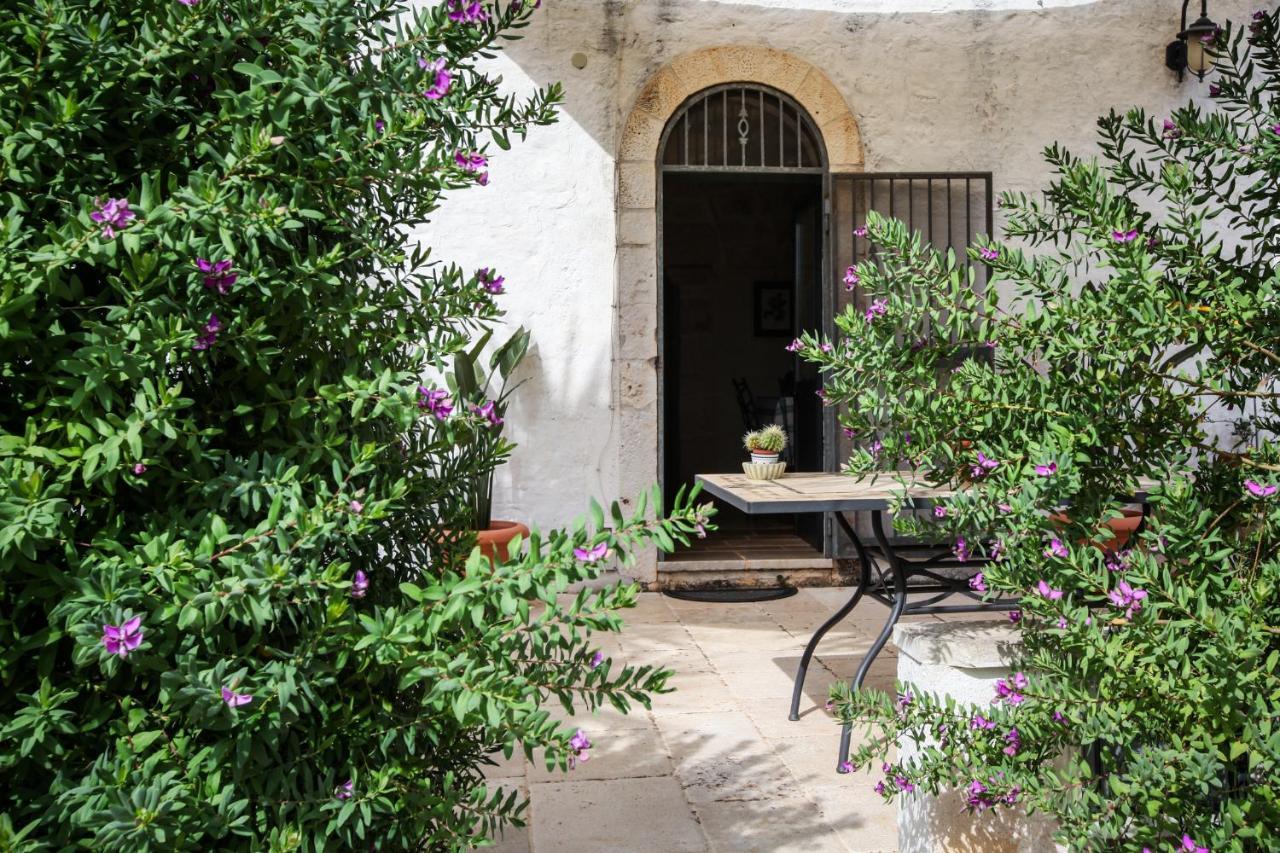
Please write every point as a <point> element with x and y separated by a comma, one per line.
<point>1198,37</point>
<point>1199,62</point>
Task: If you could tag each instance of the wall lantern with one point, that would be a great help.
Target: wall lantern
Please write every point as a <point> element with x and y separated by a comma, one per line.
<point>1188,52</point>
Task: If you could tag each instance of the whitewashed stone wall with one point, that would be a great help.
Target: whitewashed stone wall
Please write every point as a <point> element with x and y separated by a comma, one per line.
<point>932,85</point>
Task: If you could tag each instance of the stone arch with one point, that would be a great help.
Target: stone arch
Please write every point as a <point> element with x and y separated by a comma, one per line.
<point>636,380</point>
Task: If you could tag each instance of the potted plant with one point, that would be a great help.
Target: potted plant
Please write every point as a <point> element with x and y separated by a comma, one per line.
<point>765,446</point>
<point>471,387</point>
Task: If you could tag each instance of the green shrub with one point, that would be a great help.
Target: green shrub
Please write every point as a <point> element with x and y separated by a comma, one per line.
<point>225,620</point>
<point>1142,309</point>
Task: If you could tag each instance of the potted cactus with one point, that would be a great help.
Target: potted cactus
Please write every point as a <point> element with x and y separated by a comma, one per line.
<point>765,445</point>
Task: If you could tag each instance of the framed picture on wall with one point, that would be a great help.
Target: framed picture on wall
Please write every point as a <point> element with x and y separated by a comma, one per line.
<point>775,309</point>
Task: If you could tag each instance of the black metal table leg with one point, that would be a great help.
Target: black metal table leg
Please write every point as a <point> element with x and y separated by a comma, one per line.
<point>899,604</point>
<point>864,581</point>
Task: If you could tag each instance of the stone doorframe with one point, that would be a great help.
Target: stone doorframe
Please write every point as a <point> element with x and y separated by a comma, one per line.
<point>635,344</point>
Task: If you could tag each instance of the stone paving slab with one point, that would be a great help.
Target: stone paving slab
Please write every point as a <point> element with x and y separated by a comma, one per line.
<point>716,765</point>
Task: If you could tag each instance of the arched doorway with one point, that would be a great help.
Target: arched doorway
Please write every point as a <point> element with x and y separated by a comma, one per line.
<point>742,177</point>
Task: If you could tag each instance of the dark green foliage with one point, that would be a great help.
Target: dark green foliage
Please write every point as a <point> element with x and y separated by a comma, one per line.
<point>1137,336</point>
<point>227,491</point>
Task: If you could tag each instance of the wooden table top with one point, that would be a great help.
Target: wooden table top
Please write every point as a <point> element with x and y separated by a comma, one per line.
<point>829,492</point>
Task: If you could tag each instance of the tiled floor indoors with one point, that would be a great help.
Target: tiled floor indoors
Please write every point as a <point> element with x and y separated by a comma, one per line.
<point>716,765</point>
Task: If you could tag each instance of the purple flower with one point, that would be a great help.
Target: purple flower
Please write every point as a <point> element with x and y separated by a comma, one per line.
<point>359,584</point>
<point>1190,846</point>
<point>860,231</point>
<point>124,638</point>
<point>1006,508</point>
<point>593,554</point>
<point>443,78</point>
<point>1047,591</point>
<point>209,336</point>
<point>851,278</point>
<point>379,125</point>
<point>1059,717</point>
<point>489,281</point>
<point>904,700</point>
<point>978,583</point>
<point>875,448</point>
<point>464,12</point>
<point>795,346</point>
<point>1214,90</point>
<point>489,412</point>
<point>235,700</point>
<point>962,550</point>
<point>1258,490</point>
<point>1015,616</point>
<point>435,401</point>
<point>939,511</point>
<point>981,722</point>
<point>982,466</point>
<point>1119,561</point>
<point>578,745</point>
<point>974,796</point>
<point>1124,236</point>
<point>218,275</point>
<point>879,787</point>
<point>475,163</point>
<point>825,347</point>
<point>1010,691</point>
<point>905,785</point>
<point>356,507</point>
<point>188,2</point>
<point>845,767</point>
<point>1047,470</point>
<point>1062,623</point>
<point>139,468</point>
<point>112,214</point>
<point>1171,130</point>
<point>597,659</point>
<point>989,254</point>
<point>1127,597</point>
<point>345,790</point>
<point>1014,741</point>
<point>878,308</point>
<point>1056,548</point>
<point>1012,797</point>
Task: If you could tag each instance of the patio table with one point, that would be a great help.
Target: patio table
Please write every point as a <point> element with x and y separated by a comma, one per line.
<point>838,494</point>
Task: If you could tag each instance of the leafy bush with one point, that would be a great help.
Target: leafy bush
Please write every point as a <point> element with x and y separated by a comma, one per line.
<point>1142,309</point>
<point>470,385</point>
<point>224,617</point>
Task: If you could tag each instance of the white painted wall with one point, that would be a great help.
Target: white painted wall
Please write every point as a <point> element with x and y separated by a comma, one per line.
<point>934,84</point>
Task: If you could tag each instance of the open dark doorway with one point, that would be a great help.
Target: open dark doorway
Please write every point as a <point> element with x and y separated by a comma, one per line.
<point>742,266</point>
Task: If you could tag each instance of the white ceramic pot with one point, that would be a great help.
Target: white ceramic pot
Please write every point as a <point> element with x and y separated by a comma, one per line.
<point>763,471</point>
<point>762,458</point>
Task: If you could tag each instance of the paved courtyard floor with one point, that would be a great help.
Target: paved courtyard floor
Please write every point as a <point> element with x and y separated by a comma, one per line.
<point>716,765</point>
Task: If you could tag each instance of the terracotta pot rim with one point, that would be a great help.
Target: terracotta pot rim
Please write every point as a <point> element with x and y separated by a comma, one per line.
<point>499,525</point>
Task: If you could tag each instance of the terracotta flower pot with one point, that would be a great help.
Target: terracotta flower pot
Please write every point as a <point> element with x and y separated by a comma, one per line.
<point>494,541</point>
<point>1121,528</point>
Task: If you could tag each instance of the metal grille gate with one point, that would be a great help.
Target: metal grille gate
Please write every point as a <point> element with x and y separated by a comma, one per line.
<point>742,127</point>
<point>948,209</point>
